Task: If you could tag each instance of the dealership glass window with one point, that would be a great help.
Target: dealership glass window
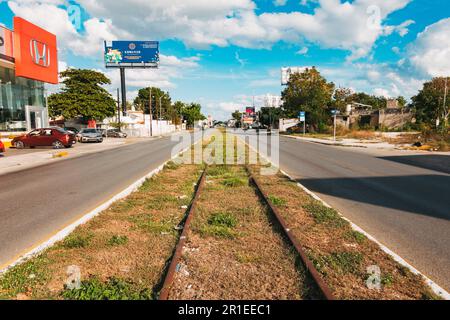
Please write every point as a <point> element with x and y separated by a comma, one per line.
<point>15,94</point>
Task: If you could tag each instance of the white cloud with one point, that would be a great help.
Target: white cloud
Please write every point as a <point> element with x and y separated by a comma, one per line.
<point>87,44</point>
<point>170,68</point>
<point>303,51</point>
<point>203,23</point>
<point>279,3</point>
<point>430,53</point>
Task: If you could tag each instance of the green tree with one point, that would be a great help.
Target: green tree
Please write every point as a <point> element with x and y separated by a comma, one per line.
<point>402,101</point>
<point>341,98</point>
<point>237,115</point>
<point>192,113</point>
<point>371,100</point>
<point>429,103</point>
<point>82,95</point>
<point>309,91</point>
<point>268,116</point>
<point>142,102</point>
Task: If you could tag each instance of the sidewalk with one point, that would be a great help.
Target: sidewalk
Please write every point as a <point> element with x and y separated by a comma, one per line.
<point>356,143</point>
<point>14,160</point>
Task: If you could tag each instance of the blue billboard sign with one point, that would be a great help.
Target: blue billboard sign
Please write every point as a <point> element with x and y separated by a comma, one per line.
<point>132,54</point>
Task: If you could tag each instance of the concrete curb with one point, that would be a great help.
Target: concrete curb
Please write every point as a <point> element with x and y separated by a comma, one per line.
<point>61,234</point>
<point>433,286</point>
<point>331,143</point>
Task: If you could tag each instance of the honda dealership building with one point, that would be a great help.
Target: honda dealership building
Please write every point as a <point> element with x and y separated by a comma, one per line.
<point>28,60</point>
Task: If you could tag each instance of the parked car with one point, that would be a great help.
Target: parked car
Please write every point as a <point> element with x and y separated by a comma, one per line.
<point>115,133</point>
<point>90,135</point>
<point>72,129</point>
<point>54,136</point>
<point>2,147</point>
<point>103,132</point>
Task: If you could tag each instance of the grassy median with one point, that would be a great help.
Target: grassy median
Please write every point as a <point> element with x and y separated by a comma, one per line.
<point>121,254</point>
<point>235,249</point>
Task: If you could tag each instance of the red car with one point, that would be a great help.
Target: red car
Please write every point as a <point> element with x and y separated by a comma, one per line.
<point>2,147</point>
<point>56,137</point>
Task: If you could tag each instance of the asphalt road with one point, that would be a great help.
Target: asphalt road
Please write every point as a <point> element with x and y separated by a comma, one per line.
<point>37,202</point>
<point>402,199</point>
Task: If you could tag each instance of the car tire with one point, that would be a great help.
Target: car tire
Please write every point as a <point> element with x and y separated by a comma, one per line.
<point>57,144</point>
<point>19,145</point>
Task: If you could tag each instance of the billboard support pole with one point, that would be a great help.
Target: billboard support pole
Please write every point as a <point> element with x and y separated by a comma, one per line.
<point>118,109</point>
<point>124,91</point>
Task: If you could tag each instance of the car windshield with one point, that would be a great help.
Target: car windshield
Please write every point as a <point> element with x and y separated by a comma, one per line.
<point>89,131</point>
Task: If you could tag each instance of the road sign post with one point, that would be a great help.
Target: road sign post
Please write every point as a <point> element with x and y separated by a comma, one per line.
<point>302,118</point>
<point>334,113</point>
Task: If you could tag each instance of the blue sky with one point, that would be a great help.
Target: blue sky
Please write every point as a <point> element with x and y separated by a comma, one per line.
<point>221,53</point>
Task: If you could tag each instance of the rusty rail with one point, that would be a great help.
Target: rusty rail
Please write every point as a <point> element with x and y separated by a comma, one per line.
<point>323,287</point>
<point>168,280</point>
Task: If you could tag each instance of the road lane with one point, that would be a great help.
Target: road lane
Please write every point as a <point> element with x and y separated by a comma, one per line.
<point>37,202</point>
<point>406,207</point>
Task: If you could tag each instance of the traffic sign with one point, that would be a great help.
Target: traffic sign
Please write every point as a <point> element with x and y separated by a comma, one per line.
<point>302,116</point>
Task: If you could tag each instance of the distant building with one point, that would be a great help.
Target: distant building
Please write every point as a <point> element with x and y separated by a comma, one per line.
<point>272,101</point>
<point>287,72</point>
<point>210,121</point>
<point>360,115</point>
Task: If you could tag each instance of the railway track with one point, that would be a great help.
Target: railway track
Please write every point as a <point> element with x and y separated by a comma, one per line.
<point>176,261</point>
<point>168,280</point>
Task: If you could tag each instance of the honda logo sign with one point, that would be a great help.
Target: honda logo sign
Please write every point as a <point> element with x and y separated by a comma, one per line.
<point>35,52</point>
<point>40,53</point>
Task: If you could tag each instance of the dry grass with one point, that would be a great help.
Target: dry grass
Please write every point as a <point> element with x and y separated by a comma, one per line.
<point>234,250</point>
<point>341,254</point>
<point>124,249</point>
<point>430,141</point>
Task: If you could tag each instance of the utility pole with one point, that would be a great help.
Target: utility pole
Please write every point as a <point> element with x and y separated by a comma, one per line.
<point>118,109</point>
<point>151,113</point>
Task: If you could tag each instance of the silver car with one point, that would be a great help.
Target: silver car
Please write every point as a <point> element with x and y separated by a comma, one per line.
<point>90,135</point>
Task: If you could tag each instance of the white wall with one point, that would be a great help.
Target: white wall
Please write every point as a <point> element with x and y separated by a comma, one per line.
<point>285,124</point>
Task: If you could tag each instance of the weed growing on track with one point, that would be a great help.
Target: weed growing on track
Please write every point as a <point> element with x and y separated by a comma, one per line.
<point>23,276</point>
<point>218,171</point>
<point>356,236</point>
<point>223,219</point>
<point>117,240</point>
<point>345,262</point>
<point>277,201</point>
<point>77,241</point>
<point>233,182</point>
<point>147,223</point>
<point>113,289</point>
<point>325,215</point>
<point>220,225</point>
